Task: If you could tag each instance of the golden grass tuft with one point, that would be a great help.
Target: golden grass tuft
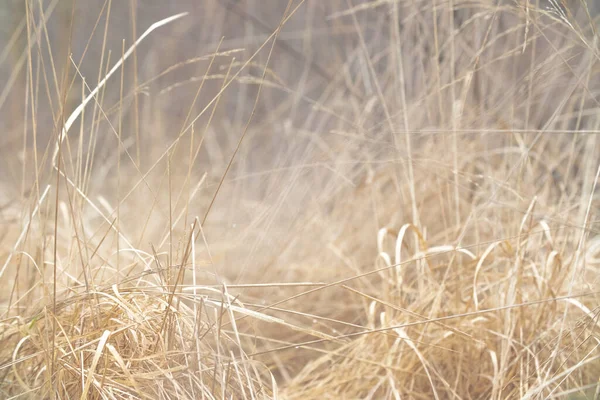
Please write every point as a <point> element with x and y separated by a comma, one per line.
<point>128,343</point>
<point>459,326</point>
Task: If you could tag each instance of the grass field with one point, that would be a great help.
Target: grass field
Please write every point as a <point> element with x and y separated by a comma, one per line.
<point>303,199</point>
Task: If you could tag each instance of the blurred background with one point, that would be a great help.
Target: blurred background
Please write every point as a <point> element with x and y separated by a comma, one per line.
<point>349,93</point>
<point>349,90</point>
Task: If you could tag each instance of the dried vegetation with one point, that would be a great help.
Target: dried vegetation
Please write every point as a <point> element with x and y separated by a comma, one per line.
<point>382,199</point>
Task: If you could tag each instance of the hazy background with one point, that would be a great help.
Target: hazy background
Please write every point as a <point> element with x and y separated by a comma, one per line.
<point>323,125</point>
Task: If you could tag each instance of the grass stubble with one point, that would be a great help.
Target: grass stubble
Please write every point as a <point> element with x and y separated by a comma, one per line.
<point>362,200</point>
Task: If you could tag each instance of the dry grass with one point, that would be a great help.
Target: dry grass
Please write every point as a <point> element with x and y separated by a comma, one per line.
<point>302,199</point>
<point>123,344</point>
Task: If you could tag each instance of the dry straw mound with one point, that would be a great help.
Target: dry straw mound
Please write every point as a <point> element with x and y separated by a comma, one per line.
<point>111,344</point>
<point>479,341</point>
<point>374,199</point>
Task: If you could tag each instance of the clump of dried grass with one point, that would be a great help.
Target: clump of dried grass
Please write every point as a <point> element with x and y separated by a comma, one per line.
<point>129,343</point>
<point>456,325</point>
